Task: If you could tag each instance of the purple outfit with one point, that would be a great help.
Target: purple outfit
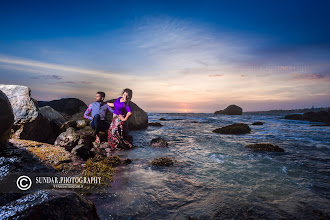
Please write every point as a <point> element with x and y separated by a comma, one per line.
<point>120,108</point>
<point>97,108</point>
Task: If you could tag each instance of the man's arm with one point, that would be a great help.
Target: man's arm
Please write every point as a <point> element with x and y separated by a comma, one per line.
<point>87,112</point>
<point>110,109</point>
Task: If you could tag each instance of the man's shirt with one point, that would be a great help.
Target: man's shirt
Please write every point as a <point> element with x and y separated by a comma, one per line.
<point>97,108</point>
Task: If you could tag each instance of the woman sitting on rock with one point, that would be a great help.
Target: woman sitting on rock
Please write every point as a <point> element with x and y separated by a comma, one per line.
<point>118,137</point>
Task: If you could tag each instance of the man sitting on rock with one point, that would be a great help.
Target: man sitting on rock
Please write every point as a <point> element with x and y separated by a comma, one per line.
<point>99,110</point>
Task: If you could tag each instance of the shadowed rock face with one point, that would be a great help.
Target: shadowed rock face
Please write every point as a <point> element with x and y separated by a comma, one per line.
<point>139,118</point>
<point>6,120</point>
<point>237,128</point>
<point>67,107</point>
<point>50,204</point>
<point>231,110</point>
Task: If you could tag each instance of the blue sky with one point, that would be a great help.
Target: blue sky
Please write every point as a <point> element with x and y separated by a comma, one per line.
<point>176,56</point>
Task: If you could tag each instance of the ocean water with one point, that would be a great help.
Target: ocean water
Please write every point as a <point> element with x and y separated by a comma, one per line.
<point>217,177</point>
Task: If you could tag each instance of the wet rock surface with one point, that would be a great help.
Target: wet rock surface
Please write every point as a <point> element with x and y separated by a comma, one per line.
<point>237,128</point>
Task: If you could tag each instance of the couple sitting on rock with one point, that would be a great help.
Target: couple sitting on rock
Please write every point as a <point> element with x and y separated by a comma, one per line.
<point>118,137</point>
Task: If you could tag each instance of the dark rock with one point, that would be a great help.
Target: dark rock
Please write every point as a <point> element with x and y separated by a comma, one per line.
<point>158,142</point>
<point>50,204</point>
<point>138,120</point>
<point>162,161</point>
<point>68,139</point>
<point>265,147</point>
<point>67,107</point>
<point>321,116</point>
<point>162,119</point>
<point>127,161</point>
<point>156,124</point>
<point>237,128</point>
<point>6,120</point>
<point>257,123</point>
<point>231,110</point>
<point>82,151</point>
<point>52,115</point>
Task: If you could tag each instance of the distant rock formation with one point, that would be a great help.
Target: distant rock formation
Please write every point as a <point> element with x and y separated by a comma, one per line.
<point>139,118</point>
<point>6,120</point>
<point>231,110</point>
<point>29,123</point>
<point>321,116</point>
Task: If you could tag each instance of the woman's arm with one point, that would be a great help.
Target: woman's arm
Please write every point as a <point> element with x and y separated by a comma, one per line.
<point>127,116</point>
<point>110,104</point>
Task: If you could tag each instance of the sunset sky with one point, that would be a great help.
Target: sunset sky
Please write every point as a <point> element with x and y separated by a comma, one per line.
<point>176,56</point>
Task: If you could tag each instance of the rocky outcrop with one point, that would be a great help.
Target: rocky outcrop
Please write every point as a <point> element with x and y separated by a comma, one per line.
<point>67,107</point>
<point>52,115</point>
<point>237,128</point>
<point>155,124</point>
<point>6,120</point>
<point>158,142</point>
<point>162,161</point>
<point>50,204</point>
<point>265,147</point>
<point>257,123</point>
<point>29,123</point>
<point>321,116</point>
<point>78,142</point>
<point>231,110</point>
<point>139,118</point>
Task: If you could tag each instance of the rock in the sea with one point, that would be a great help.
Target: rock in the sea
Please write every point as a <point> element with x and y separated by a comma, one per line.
<point>67,107</point>
<point>162,161</point>
<point>50,204</point>
<point>162,119</point>
<point>29,122</point>
<point>158,142</point>
<point>6,120</point>
<point>139,118</point>
<point>156,124</point>
<point>237,128</point>
<point>231,110</point>
<point>257,123</point>
<point>321,116</point>
<point>265,147</point>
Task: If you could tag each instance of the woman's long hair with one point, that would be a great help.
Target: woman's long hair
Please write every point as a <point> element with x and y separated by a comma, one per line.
<point>130,94</point>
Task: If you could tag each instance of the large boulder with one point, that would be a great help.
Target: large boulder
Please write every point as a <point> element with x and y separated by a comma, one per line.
<point>78,142</point>
<point>6,120</point>
<point>29,123</point>
<point>50,204</point>
<point>67,107</point>
<point>52,115</point>
<point>139,118</point>
<point>231,110</point>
